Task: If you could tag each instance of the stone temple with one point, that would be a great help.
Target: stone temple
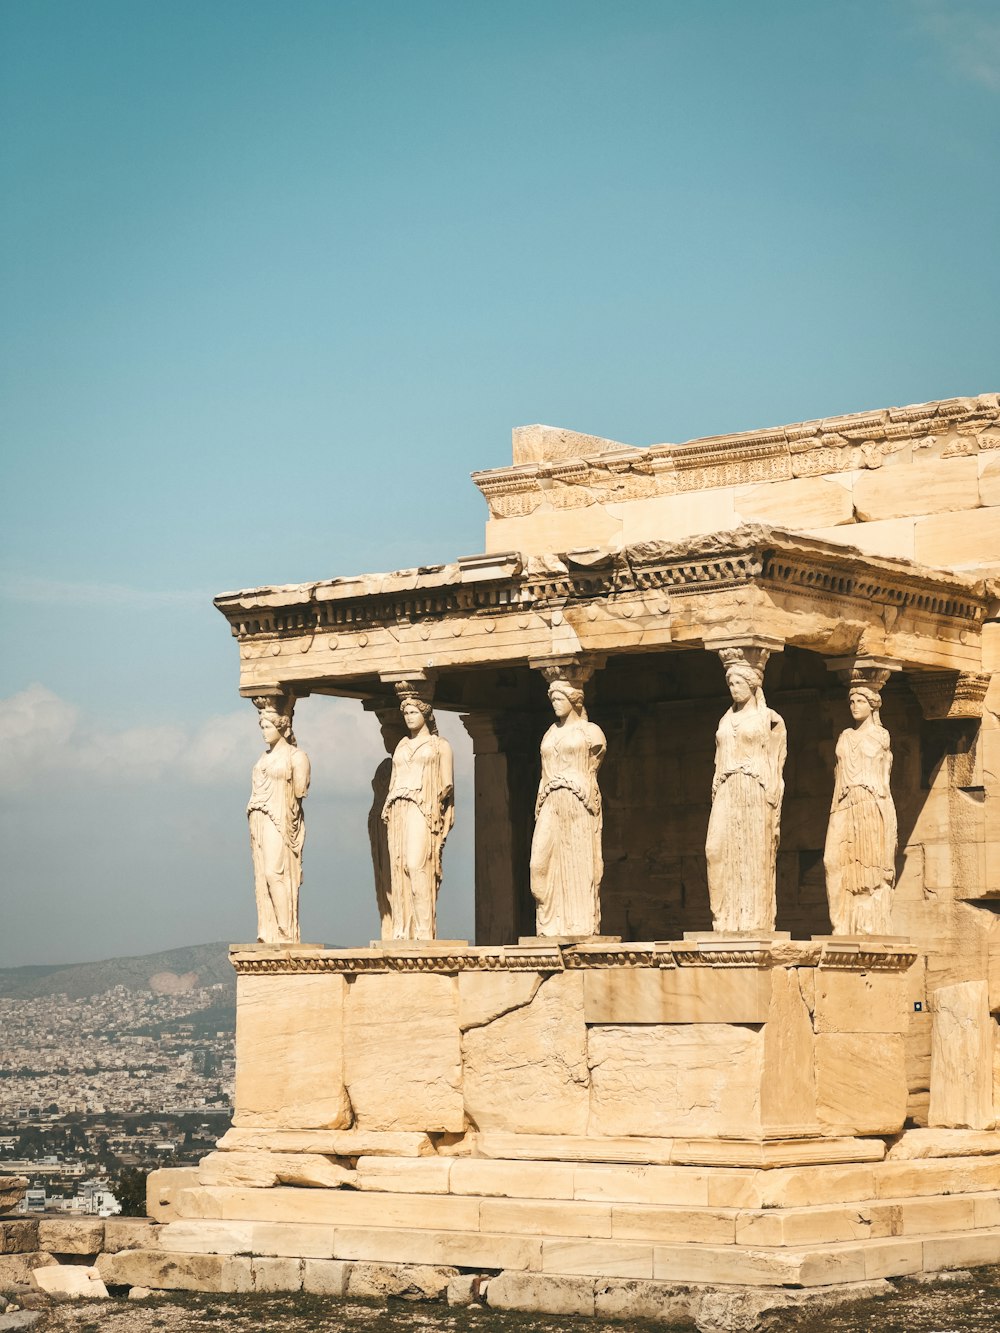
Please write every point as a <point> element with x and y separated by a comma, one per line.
<point>728,1018</point>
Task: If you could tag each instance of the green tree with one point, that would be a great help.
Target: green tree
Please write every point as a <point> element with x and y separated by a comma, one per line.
<point>130,1191</point>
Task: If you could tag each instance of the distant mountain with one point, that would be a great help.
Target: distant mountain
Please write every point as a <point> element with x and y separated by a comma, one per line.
<point>173,971</point>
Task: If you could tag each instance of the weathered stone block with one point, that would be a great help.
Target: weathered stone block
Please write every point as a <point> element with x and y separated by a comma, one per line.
<point>676,995</point>
<point>464,1249</point>
<point>788,1081</point>
<point>541,1294</point>
<point>18,1235</point>
<point>669,1080</point>
<point>860,1082</point>
<point>12,1190</point>
<point>642,1184</point>
<point>129,1233</point>
<point>485,996</point>
<point>968,1251</point>
<point>325,1277</point>
<point>416,1282</point>
<point>598,1258</point>
<point>989,480</point>
<point>962,1042</point>
<point>891,536</point>
<point>917,1144</point>
<point>261,1170</point>
<point>934,486</point>
<point>517,1180</point>
<point>404,1175</point>
<point>672,1224</point>
<point>275,1274</point>
<point>805,502</point>
<point>73,1282</point>
<point>163,1188</point>
<point>402,1054</point>
<point>169,1272</point>
<point>16,1268</point>
<point>971,538</point>
<point>531,1217</point>
<point>290,1052</point>
<point>527,1070</point>
<point>71,1235</point>
<point>628,1298</point>
<point>848,1001</point>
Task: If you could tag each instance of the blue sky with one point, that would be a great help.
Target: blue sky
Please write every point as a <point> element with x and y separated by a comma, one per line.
<point>275,277</point>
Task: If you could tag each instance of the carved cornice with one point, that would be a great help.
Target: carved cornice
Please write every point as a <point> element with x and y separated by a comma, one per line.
<point>950,694</point>
<point>955,426</point>
<point>584,957</point>
<point>779,562</point>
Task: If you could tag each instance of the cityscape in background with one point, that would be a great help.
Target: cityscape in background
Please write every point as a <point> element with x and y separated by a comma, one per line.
<point>110,1070</point>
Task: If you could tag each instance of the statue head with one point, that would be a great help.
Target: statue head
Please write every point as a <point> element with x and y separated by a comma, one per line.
<point>744,681</point>
<point>566,698</point>
<point>416,712</point>
<point>275,718</point>
<point>865,702</point>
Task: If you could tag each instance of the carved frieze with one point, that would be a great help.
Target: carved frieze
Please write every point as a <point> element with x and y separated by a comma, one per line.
<point>804,449</point>
<point>887,957</point>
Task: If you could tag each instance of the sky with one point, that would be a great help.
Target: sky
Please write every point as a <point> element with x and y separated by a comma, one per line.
<point>277,275</point>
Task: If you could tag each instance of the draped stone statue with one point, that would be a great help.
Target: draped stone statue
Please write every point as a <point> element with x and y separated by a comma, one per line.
<point>860,854</point>
<point>745,822</point>
<point>566,860</point>
<point>279,783</point>
<point>393,731</point>
<point>419,812</point>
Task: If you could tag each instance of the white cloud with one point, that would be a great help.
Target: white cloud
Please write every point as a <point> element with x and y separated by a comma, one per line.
<point>967,34</point>
<point>47,738</point>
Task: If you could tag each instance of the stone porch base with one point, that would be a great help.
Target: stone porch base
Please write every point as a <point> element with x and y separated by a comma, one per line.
<point>582,1234</point>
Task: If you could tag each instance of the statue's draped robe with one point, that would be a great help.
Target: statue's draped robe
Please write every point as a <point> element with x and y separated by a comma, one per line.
<point>277,833</point>
<point>566,860</point>
<point>744,826</point>
<point>418,813</point>
<point>860,854</point>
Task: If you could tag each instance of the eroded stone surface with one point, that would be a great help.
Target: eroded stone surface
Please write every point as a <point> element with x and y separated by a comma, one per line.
<point>290,1053</point>
<point>675,1080</point>
<point>404,1074</point>
<point>962,1039</point>
<point>527,1070</point>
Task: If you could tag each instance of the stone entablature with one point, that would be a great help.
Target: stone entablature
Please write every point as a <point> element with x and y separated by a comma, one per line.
<point>496,610</point>
<point>717,952</point>
<point>605,471</point>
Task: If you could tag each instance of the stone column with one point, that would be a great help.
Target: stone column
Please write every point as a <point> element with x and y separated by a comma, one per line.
<point>567,861</point>
<point>860,853</point>
<point>744,827</point>
<point>391,724</point>
<point>505,750</point>
<point>279,784</point>
<point>419,812</point>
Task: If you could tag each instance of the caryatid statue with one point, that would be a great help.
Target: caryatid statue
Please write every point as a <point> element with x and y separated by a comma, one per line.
<point>745,824</point>
<point>566,859</point>
<point>419,812</point>
<point>279,784</point>
<point>860,854</point>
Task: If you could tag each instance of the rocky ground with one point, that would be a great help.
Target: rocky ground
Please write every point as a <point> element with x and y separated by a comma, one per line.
<point>952,1303</point>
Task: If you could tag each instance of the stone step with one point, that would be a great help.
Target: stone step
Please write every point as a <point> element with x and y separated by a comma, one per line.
<point>677,1152</point>
<point>438,1179</point>
<point>302,1221</point>
<point>800,1266</point>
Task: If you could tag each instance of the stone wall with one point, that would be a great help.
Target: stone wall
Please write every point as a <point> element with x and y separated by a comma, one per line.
<point>922,483</point>
<point>695,1041</point>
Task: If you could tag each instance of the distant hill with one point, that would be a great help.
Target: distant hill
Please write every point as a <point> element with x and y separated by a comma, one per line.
<point>174,970</point>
